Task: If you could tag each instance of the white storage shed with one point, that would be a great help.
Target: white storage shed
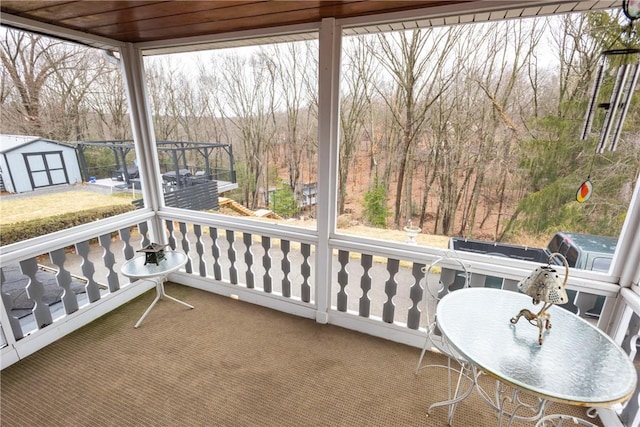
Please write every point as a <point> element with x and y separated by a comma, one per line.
<point>29,163</point>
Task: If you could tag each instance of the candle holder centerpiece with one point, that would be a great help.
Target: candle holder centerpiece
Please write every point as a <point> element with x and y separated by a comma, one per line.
<point>154,253</point>
<point>543,285</point>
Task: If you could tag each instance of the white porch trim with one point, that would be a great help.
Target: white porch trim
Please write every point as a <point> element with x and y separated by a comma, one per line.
<point>143,134</point>
<point>328,141</point>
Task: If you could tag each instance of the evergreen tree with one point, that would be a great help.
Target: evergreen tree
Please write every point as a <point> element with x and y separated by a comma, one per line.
<point>376,210</point>
<point>283,202</point>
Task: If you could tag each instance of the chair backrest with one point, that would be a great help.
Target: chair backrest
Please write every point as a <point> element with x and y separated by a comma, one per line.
<point>434,292</point>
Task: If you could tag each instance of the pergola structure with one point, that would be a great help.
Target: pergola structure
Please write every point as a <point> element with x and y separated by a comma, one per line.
<point>137,29</point>
<point>176,150</point>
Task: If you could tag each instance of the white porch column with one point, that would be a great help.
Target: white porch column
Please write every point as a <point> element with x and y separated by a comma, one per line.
<point>328,137</point>
<point>626,267</point>
<point>143,134</point>
<point>627,264</point>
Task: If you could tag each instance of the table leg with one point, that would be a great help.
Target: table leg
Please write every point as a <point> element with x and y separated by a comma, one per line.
<point>148,310</point>
<point>504,395</point>
<point>160,294</point>
<point>164,295</point>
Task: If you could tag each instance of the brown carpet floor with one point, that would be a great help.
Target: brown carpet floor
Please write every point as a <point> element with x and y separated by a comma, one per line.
<point>226,363</point>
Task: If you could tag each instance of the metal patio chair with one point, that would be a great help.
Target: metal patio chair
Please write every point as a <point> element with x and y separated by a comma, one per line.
<point>431,296</point>
<point>563,421</point>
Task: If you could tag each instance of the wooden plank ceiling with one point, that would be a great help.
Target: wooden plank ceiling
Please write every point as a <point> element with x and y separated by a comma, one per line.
<point>141,21</point>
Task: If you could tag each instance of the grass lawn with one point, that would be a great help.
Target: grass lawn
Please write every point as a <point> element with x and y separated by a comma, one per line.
<point>422,239</point>
<point>18,209</point>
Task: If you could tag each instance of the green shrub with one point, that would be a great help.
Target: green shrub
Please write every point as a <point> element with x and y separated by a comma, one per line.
<point>376,210</point>
<point>283,202</point>
<point>24,230</point>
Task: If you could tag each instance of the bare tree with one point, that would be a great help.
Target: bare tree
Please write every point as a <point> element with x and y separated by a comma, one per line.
<point>497,67</point>
<point>5,86</point>
<point>109,102</point>
<point>578,56</point>
<point>246,102</point>
<point>29,60</point>
<point>67,94</point>
<point>215,126</point>
<point>292,69</point>
<point>358,74</point>
<point>451,154</point>
<point>163,79</point>
<point>413,59</point>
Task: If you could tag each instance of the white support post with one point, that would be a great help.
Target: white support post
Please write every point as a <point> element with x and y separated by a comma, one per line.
<point>328,138</point>
<point>627,257</point>
<point>143,134</point>
<point>626,265</point>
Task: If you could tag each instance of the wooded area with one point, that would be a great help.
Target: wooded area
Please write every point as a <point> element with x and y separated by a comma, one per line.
<point>468,130</point>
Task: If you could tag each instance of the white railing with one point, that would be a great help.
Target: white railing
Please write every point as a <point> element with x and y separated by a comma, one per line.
<point>54,284</point>
<point>628,336</point>
<point>376,287</point>
<point>261,263</point>
<point>380,285</point>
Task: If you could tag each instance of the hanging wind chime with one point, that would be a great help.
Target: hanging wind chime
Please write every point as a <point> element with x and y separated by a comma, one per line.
<point>617,107</point>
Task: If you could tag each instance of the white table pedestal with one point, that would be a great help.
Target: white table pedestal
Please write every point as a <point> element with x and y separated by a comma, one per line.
<point>136,268</point>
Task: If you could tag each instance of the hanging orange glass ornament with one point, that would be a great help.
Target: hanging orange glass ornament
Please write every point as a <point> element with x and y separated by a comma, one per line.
<point>584,191</point>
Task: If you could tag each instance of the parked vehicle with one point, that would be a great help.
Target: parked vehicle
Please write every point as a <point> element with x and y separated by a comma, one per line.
<point>583,251</point>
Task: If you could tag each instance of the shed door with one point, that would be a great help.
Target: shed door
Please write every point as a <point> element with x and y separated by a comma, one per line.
<point>46,169</point>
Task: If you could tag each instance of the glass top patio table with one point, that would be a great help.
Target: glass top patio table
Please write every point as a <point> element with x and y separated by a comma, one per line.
<point>576,364</point>
<point>137,269</point>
